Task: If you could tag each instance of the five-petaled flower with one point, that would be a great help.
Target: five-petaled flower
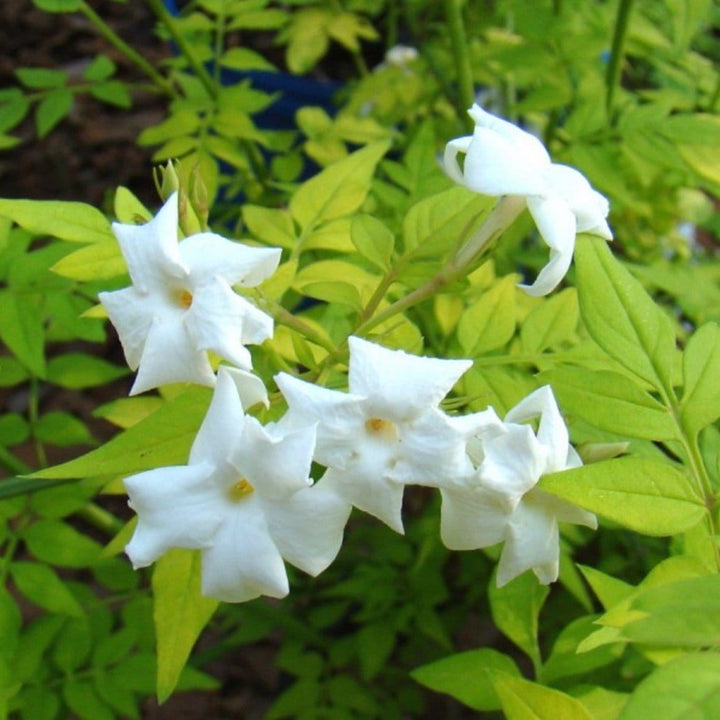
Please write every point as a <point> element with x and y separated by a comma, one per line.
<point>500,501</point>
<point>387,431</point>
<point>244,499</point>
<point>503,160</point>
<point>181,303</point>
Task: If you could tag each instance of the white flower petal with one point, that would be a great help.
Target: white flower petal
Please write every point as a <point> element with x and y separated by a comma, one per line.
<point>528,145</point>
<point>495,166</point>
<point>557,226</point>
<point>177,507</point>
<point>432,451</point>
<point>339,417</point>
<point>169,357</point>
<point>210,255</point>
<point>308,527</point>
<point>243,561</point>
<point>222,425</point>
<point>131,313</point>
<point>532,543</point>
<point>589,206</point>
<point>276,466</point>
<point>399,386</point>
<point>250,388</point>
<point>364,485</point>
<point>151,250</point>
<point>215,320</point>
<point>513,463</point>
<point>552,431</point>
<point>471,518</point>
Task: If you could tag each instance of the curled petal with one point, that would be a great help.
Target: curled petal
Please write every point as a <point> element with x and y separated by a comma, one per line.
<point>450,161</point>
<point>213,256</point>
<point>471,518</point>
<point>308,527</point>
<point>132,314</point>
<point>169,356</point>
<point>151,250</point>
<point>177,507</point>
<point>243,561</point>
<point>399,386</point>
<point>532,543</point>
<point>557,226</point>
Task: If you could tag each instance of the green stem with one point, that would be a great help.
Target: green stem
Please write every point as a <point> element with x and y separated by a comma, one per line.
<point>289,320</point>
<point>34,418</point>
<point>12,463</point>
<point>101,519</point>
<point>458,43</point>
<point>712,105</point>
<point>614,69</point>
<point>119,44</point>
<point>219,42</point>
<point>170,24</point>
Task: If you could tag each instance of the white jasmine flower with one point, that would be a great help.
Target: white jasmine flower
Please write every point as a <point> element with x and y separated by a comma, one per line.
<point>501,159</point>
<point>244,499</point>
<point>385,432</point>
<point>501,502</point>
<point>181,303</point>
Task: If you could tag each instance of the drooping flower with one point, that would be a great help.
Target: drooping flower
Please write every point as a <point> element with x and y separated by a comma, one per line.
<point>501,500</point>
<point>387,431</point>
<point>503,160</point>
<point>244,499</point>
<point>181,303</point>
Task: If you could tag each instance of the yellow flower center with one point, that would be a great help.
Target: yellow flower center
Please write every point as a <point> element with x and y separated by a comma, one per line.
<point>240,490</point>
<point>184,298</point>
<point>382,429</point>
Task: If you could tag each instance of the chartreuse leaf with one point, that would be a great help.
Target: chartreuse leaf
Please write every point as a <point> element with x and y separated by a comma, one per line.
<point>180,614</point>
<point>71,221</point>
<point>489,322</point>
<point>437,223</point>
<point>650,497</point>
<point>77,371</point>
<point>100,261</point>
<point>339,190</point>
<point>39,584</point>
<point>373,240</point>
<point>612,402</point>
<point>21,329</point>
<point>271,225</point>
<point>525,700</point>
<point>467,676</point>
<point>163,438</point>
<point>621,316</point>
<point>685,613</point>
<point>515,608</point>
<point>552,322</point>
<point>686,687</point>
<point>701,369</point>
<point>601,703</point>
<point>609,590</point>
<point>128,209</point>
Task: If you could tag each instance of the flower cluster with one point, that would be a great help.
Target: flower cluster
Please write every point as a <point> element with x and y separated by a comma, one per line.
<point>245,499</point>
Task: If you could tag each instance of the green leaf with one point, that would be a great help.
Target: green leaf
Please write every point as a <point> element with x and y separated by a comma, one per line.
<point>308,39</point>
<point>61,429</point>
<point>437,223</point>
<point>12,487</point>
<point>39,703</point>
<point>39,584</point>
<point>41,78</point>
<point>58,6</point>
<point>101,68</point>
<point>612,402</point>
<point>57,543</point>
<point>375,642</point>
<point>551,323</point>
<point>73,644</point>
<point>609,590</point>
<point>178,124</point>
<point>78,371</point>
<point>701,369</point>
<point>12,372</point>
<point>468,676</point>
<point>100,261</point>
<point>650,497</point>
<point>525,700</point>
<point>238,58</point>
<point>21,329</point>
<point>515,608</point>
<point>71,221</point>
<point>489,323</point>
<point>164,438</point>
<point>14,429</point>
<point>82,699</point>
<point>621,316</point>
<point>373,240</point>
<point>112,92</point>
<point>687,687</point>
<point>271,225</point>
<point>13,112</point>
<point>52,109</point>
<point>339,190</point>
<point>180,613</point>
<point>679,614</point>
